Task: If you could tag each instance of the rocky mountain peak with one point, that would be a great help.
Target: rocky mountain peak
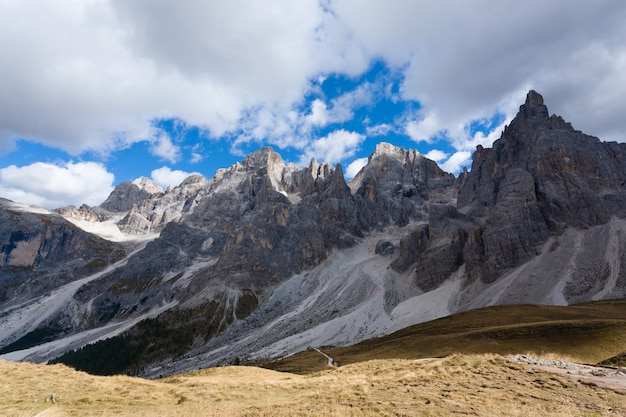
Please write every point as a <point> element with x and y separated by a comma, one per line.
<point>534,99</point>
<point>84,212</point>
<point>536,142</point>
<point>395,184</point>
<point>387,149</point>
<point>153,214</point>
<point>264,157</point>
<point>193,179</point>
<point>533,116</point>
<point>128,193</point>
<point>534,105</point>
<point>540,177</point>
<point>320,171</point>
<point>264,162</point>
<point>149,186</point>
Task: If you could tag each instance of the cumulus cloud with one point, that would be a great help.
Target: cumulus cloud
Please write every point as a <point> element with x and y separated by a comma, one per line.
<point>424,130</point>
<point>196,157</point>
<point>95,75</point>
<point>343,107</point>
<point>166,176</point>
<point>299,127</point>
<point>354,167</point>
<point>436,155</point>
<point>334,147</point>
<point>52,186</point>
<point>319,113</point>
<point>457,161</point>
<point>378,130</point>
<point>163,147</point>
<point>574,56</point>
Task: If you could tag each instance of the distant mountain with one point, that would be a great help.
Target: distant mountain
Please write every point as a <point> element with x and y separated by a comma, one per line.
<point>267,259</point>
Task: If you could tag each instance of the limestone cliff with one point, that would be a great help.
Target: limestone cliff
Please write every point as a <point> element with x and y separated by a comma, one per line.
<point>40,251</point>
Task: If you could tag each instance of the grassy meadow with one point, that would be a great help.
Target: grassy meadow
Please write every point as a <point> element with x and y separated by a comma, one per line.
<point>586,333</point>
<point>453,366</point>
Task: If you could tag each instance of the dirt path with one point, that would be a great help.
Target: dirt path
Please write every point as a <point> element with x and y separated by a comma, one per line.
<point>612,378</point>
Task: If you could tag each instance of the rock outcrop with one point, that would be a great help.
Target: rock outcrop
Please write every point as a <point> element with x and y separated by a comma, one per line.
<point>154,212</point>
<point>125,195</point>
<point>84,212</point>
<point>40,251</point>
<point>539,178</point>
<point>395,184</point>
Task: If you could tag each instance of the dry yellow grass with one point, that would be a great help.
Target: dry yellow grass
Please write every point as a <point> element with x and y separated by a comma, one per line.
<point>478,385</point>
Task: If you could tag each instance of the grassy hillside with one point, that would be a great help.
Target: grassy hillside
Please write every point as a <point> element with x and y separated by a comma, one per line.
<point>586,333</point>
<point>380,377</point>
<point>480,385</point>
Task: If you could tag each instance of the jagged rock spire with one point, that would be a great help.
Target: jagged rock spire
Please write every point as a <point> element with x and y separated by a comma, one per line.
<point>533,109</point>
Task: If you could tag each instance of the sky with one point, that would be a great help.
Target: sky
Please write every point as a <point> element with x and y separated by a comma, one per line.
<point>97,92</point>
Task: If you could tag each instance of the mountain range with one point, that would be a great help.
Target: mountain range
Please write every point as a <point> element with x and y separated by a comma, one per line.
<point>267,259</point>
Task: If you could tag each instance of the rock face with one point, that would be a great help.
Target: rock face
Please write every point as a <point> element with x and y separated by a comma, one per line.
<point>395,184</point>
<point>539,178</point>
<point>267,258</point>
<point>40,251</point>
<point>128,193</point>
<point>153,212</point>
<point>140,209</point>
<point>85,212</point>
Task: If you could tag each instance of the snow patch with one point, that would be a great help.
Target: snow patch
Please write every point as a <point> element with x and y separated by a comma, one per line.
<point>108,230</point>
<point>26,208</point>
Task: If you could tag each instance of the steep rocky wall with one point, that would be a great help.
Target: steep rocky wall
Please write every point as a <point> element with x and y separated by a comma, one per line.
<point>39,252</point>
<point>539,178</point>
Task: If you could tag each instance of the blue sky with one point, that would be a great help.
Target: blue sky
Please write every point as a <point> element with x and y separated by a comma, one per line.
<point>98,92</point>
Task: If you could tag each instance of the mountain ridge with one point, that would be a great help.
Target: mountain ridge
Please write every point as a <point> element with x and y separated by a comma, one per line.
<point>268,258</point>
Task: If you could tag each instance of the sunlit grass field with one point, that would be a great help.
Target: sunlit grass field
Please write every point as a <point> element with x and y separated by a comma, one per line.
<point>381,377</point>
<point>479,385</point>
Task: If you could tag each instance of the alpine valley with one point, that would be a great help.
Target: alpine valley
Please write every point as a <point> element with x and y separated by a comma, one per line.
<point>267,259</point>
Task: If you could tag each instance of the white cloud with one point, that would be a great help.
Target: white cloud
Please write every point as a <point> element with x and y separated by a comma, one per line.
<point>196,158</point>
<point>163,147</point>
<point>457,161</point>
<point>574,56</point>
<point>436,155</point>
<point>354,167</point>
<point>319,113</point>
<point>52,186</point>
<point>93,75</point>
<point>343,106</point>
<point>196,154</point>
<point>334,147</point>
<point>165,176</point>
<point>295,128</point>
<point>423,130</point>
<point>378,130</point>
